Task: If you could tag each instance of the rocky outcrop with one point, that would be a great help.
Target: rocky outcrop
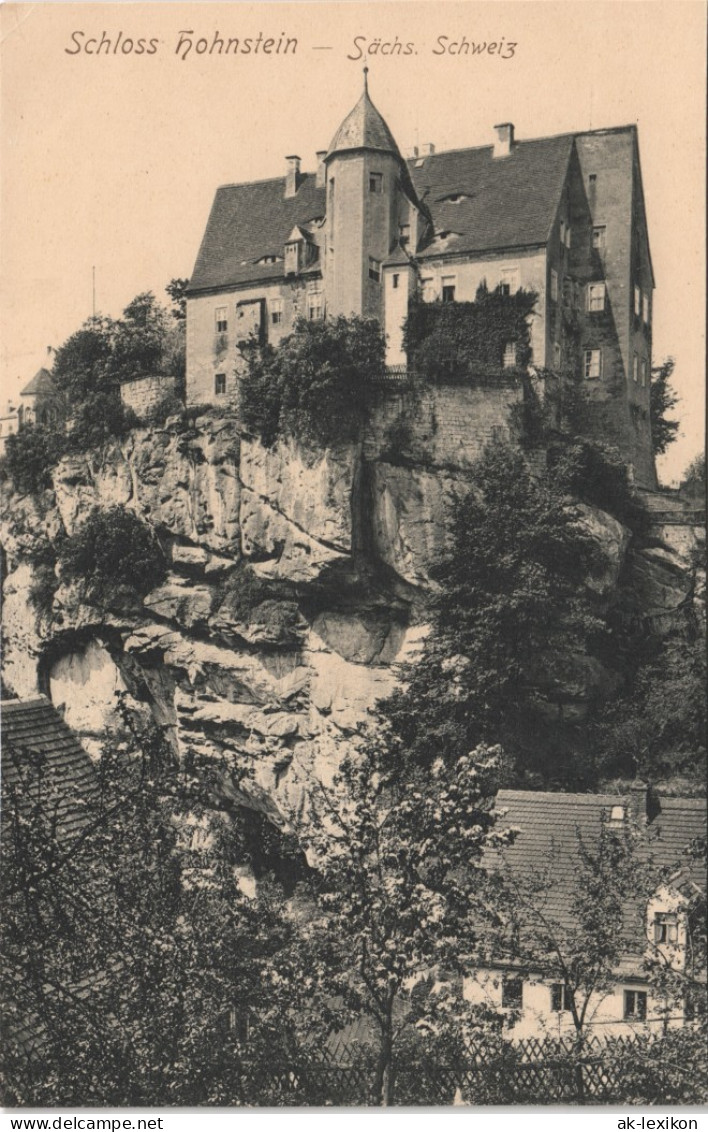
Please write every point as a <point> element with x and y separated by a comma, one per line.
<point>273,682</point>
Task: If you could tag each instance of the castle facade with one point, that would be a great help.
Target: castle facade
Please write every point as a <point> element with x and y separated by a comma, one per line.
<point>561,216</point>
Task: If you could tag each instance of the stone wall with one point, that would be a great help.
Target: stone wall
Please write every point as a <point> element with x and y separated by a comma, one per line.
<point>143,393</point>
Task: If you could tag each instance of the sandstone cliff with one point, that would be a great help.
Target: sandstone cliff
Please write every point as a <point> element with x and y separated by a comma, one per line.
<point>347,537</point>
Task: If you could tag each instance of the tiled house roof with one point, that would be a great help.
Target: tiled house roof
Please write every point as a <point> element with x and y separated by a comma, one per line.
<point>551,825</point>
<point>363,128</point>
<point>503,202</point>
<point>42,382</point>
<point>248,222</point>
<point>34,730</point>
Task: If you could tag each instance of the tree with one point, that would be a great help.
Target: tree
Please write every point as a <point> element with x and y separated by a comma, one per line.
<point>83,364</point>
<point>140,338</point>
<point>125,953</point>
<point>397,899</point>
<point>30,456</point>
<point>693,482</point>
<point>177,290</point>
<point>113,551</point>
<point>662,399</point>
<point>510,608</point>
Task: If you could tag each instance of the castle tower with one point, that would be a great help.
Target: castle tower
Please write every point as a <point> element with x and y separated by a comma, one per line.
<point>371,203</point>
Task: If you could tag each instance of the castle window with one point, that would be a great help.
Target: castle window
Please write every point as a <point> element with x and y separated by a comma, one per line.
<point>598,236</point>
<point>567,235</point>
<point>635,368</point>
<point>375,269</point>
<point>276,311</point>
<point>644,371</point>
<point>268,259</point>
<point>509,280</point>
<point>428,288</point>
<point>314,306</point>
<point>592,180</point>
<point>512,993</point>
<point>405,233</point>
<point>292,258</point>
<point>509,357</point>
<point>562,232</point>
<point>592,363</point>
<point>221,316</point>
<point>556,355</point>
<point>637,301</point>
<point>635,1006</point>
<point>645,309</point>
<point>220,384</point>
<point>561,998</point>
<point>394,282</point>
<point>554,285</point>
<point>596,296</point>
<point>375,182</point>
<point>448,288</point>
<point>666,928</point>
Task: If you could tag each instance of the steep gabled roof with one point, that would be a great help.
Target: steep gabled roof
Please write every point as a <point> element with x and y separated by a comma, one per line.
<point>363,128</point>
<point>42,382</point>
<point>248,222</point>
<point>551,825</point>
<point>503,202</point>
<point>33,730</point>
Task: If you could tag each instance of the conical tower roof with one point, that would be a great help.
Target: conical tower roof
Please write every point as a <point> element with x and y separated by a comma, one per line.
<point>364,128</point>
<point>42,382</point>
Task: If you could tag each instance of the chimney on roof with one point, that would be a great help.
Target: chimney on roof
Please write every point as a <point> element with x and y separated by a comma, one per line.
<point>504,140</point>
<point>321,179</point>
<point>412,152</point>
<point>292,176</point>
<point>427,150</point>
<point>639,802</point>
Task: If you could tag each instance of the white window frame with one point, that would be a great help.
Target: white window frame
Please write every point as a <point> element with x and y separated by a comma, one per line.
<point>509,278</point>
<point>374,269</point>
<point>221,319</point>
<point>276,311</point>
<point>634,1005</point>
<point>562,992</point>
<point>637,300</point>
<point>646,309</point>
<point>596,297</point>
<point>554,285</point>
<point>665,929</point>
<point>376,183</point>
<point>219,380</point>
<point>592,364</point>
<point>635,368</point>
<point>315,305</point>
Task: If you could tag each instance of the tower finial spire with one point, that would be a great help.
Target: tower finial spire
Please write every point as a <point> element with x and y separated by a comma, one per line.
<point>366,80</point>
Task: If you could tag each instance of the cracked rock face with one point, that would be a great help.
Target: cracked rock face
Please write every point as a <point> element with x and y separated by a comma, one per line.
<point>276,689</point>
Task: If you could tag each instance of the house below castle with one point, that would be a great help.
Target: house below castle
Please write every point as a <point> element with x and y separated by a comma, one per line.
<point>560,216</point>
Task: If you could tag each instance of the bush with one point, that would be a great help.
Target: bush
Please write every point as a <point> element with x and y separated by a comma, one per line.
<point>99,418</point>
<point>30,455</point>
<point>314,386</point>
<point>116,554</point>
<point>594,475</point>
<point>448,341</point>
<point>43,558</point>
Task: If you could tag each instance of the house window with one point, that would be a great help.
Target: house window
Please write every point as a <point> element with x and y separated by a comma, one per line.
<point>596,296</point>
<point>512,993</point>
<point>637,301</point>
<point>375,269</point>
<point>509,358</point>
<point>592,363</point>
<point>314,306</point>
<point>561,998</point>
<point>635,1005</point>
<point>428,288</point>
<point>394,282</point>
<point>567,235</point>
<point>276,311</point>
<point>292,258</point>
<point>554,285</point>
<point>666,927</point>
<point>644,372</point>
<point>405,233</point>
<point>617,814</point>
<point>592,180</point>
<point>556,355</point>
<point>221,316</point>
<point>448,288</point>
<point>509,283</point>
<point>220,384</point>
<point>598,236</point>
<point>375,182</point>
<point>645,308</point>
<point>635,368</point>
<point>562,232</point>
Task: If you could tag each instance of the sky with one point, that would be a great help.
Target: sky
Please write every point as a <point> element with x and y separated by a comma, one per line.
<point>110,160</point>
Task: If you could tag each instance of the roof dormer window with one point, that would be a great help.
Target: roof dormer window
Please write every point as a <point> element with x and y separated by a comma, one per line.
<point>665,928</point>
<point>270,259</point>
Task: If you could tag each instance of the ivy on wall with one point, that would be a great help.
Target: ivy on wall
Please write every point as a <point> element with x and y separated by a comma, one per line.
<point>462,341</point>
